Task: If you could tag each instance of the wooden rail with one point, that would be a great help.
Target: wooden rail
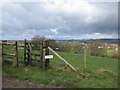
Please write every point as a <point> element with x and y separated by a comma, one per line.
<point>10,56</point>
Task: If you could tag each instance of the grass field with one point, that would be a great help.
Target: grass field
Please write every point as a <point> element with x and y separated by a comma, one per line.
<point>101,72</point>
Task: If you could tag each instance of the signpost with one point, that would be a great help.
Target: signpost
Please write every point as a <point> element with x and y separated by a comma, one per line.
<point>48,56</point>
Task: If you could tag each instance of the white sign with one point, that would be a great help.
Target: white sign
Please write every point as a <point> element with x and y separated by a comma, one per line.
<point>48,56</point>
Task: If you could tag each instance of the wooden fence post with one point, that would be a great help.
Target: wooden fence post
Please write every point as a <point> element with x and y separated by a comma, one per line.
<point>41,57</point>
<point>85,58</point>
<point>16,52</point>
<point>15,57</point>
<point>84,61</point>
<point>25,52</point>
<point>29,54</point>
<point>47,53</point>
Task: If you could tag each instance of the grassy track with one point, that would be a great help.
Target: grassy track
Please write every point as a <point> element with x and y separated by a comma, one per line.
<point>101,72</point>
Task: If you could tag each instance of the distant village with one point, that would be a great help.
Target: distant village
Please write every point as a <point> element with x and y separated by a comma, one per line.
<point>77,44</point>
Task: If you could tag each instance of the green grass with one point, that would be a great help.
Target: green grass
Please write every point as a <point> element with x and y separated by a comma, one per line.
<point>101,72</point>
<point>109,52</point>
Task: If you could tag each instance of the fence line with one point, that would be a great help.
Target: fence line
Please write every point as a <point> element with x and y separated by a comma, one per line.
<point>8,56</point>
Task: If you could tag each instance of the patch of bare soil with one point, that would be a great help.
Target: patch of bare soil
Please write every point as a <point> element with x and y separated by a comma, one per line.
<point>16,83</point>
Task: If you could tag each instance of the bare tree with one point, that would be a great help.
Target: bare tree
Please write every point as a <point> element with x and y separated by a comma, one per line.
<point>37,40</point>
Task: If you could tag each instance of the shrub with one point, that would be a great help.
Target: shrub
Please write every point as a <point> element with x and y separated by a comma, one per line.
<point>114,55</point>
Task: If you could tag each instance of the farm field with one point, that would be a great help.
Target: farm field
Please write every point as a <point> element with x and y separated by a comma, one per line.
<point>101,72</point>
<point>59,44</point>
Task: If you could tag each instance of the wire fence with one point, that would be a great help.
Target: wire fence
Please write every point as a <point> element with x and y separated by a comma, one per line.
<point>95,50</point>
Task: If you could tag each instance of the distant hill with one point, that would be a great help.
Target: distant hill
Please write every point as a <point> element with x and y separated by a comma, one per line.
<point>110,40</point>
<point>85,40</point>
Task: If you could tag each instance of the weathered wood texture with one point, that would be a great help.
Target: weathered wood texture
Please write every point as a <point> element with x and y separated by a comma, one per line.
<point>36,55</point>
<point>12,57</point>
<point>16,51</point>
<point>47,53</point>
<point>25,57</point>
<point>41,58</point>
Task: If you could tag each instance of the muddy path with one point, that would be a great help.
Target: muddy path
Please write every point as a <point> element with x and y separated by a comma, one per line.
<point>16,83</point>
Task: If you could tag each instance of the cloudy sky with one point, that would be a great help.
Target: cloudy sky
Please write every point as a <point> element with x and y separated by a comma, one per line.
<point>60,19</point>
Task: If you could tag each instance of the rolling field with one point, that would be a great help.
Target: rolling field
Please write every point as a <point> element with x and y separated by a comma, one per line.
<point>101,72</point>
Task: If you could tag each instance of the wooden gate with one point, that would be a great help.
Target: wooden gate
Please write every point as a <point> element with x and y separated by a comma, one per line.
<point>10,53</point>
<point>34,53</point>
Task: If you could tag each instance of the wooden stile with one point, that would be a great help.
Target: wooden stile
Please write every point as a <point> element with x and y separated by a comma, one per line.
<point>30,55</point>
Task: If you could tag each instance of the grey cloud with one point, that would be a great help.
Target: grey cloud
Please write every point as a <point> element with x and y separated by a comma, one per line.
<point>20,18</point>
